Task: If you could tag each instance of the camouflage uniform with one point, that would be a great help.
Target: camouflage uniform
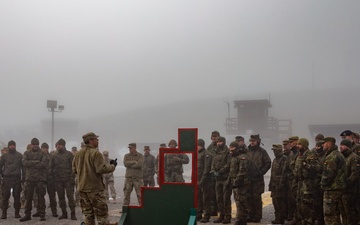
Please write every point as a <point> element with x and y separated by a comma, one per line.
<point>108,179</point>
<point>277,184</point>
<point>319,200</point>
<point>36,164</point>
<point>61,169</point>
<point>88,165</point>
<point>133,175</point>
<point>50,187</point>
<point>262,161</point>
<point>204,183</point>
<point>348,202</point>
<point>306,171</point>
<point>293,184</point>
<point>149,170</point>
<point>333,184</point>
<point>239,181</point>
<point>11,166</point>
<point>174,167</point>
<point>220,168</point>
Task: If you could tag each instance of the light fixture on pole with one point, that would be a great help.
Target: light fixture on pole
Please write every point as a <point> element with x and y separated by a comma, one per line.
<point>52,107</point>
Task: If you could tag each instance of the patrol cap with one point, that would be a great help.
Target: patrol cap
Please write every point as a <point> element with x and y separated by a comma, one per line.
<point>74,148</point>
<point>330,139</point>
<point>320,143</point>
<point>239,138</point>
<point>162,145</point>
<point>11,143</point>
<point>276,147</point>
<point>319,137</point>
<point>285,142</point>
<point>234,144</point>
<point>132,145</point>
<point>201,142</point>
<point>105,153</point>
<point>255,137</point>
<point>45,145</point>
<point>89,136</point>
<point>215,133</point>
<point>146,147</point>
<point>346,133</point>
<point>61,142</point>
<point>294,138</point>
<point>34,141</point>
<point>304,142</point>
<point>221,139</point>
<point>346,142</point>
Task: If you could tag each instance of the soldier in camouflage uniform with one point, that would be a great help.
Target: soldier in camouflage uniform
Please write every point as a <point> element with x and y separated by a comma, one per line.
<point>261,159</point>
<point>108,179</point>
<point>319,200</point>
<point>148,168</point>
<point>352,171</point>
<point>174,164</point>
<point>220,168</point>
<point>61,169</point>
<point>306,171</point>
<point>332,181</point>
<point>36,164</point>
<point>77,194</point>
<point>278,183</point>
<point>212,148</point>
<point>348,134</point>
<point>289,204</point>
<point>162,145</point>
<point>239,181</point>
<point>89,165</point>
<point>204,183</point>
<point>133,161</point>
<point>11,166</point>
<point>241,141</point>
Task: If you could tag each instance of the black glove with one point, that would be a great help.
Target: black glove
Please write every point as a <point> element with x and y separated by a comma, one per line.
<point>113,162</point>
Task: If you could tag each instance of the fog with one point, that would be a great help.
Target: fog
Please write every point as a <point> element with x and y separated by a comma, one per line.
<point>135,71</point>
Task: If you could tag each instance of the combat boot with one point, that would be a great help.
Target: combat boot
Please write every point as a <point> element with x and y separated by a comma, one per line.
<point>64,214</point>
<point>220,219</point>
<point>17,214</point>
<point>54,212</point>
<point>42,218</point>
<point>4,214</point>
<point>292,222</point>
<point>73,216</point>
<point>226,220</point>
<point>36,214</point>
<point>198,217</point>
<point>25,218</point>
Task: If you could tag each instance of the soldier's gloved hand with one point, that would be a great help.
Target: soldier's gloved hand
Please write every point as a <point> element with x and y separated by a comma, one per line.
<point>216,174</point>
<point>113,162</point>
<point>177,159</point>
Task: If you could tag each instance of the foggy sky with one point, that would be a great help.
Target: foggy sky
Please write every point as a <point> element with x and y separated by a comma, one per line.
<point>102,57</point>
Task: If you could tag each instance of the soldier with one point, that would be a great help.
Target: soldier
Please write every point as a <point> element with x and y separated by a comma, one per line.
<point>108,179</point>
<point>148,168</point>
<point>61,169</point>
<point>278,183</point>
<point>162,145</point>
<point>4,150</point>
<point>174,164</point>
<point>348,202</point>
<point>212,148</point>
<point>305,172</point>
<point>89,165</point>
<point>319,201</point>
<point>204,182</point>
<point>332,181</point>
<point>241,141</point>
<point>36,164</point>
<point>220,168</point>
<point>133,162</point>
<point>289,200</point>
<point>77,194</point>
<point>286,148</point>
<point>11,166</point>
<point>239,181</point>
<point>261,159</point>
<point>348,134</point>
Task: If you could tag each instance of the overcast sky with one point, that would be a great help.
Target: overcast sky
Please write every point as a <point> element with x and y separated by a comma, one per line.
<point>102,57</point>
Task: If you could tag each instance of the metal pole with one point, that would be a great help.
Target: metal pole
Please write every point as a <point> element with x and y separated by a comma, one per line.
<point>52,129</point>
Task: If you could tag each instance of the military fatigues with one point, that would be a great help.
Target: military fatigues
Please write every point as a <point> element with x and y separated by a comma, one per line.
<point>174,167</point>
<point>61,168</point>
<point>36,164</point>
<point>319,199</point>
<point>108,179</point>
<point>50,187</point>
<point>214,209</point>
<point>277,186</point>
<point>11,166</point>
<point>149,170</point>
<point>204,183</point>
<point>333,184</point>
<point>88,166</point>
<point>239,182</point>
<point>133,176</point>
<point>220,168</point>
<point>348,202</point>
<point>306,172</point>
<point>262,161</point>
<point>293,184</point>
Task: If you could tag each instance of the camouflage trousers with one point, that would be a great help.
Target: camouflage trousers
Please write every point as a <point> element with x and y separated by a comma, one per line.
<point>242,205</point>
<point>40,188</point>
<point>223,198</point>
<point>109,184</point>
<point>255,200</point>
<point>332,200</point>
<point>175,177</point>
<point>129,185</point>
<point>149,181</point>
<point>93,204</point>
<point>347,209</point>
<point>65,186</point>
<point>8,184</point>
<point>23,195</point>
<point>306,202</point>
<point>204,199</point>
<point>52,196</point>
<point>279,202</point>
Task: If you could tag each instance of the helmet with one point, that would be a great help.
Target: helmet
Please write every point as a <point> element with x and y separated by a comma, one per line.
<point>172,142</point>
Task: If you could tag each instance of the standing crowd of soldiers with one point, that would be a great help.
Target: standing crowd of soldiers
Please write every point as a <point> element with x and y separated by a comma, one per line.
<point>315,186</point>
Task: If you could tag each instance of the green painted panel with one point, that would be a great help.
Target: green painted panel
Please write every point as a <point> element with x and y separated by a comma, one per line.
<point>187,140</point>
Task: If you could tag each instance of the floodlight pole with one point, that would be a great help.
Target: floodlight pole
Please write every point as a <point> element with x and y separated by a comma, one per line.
<point>52,105</point>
